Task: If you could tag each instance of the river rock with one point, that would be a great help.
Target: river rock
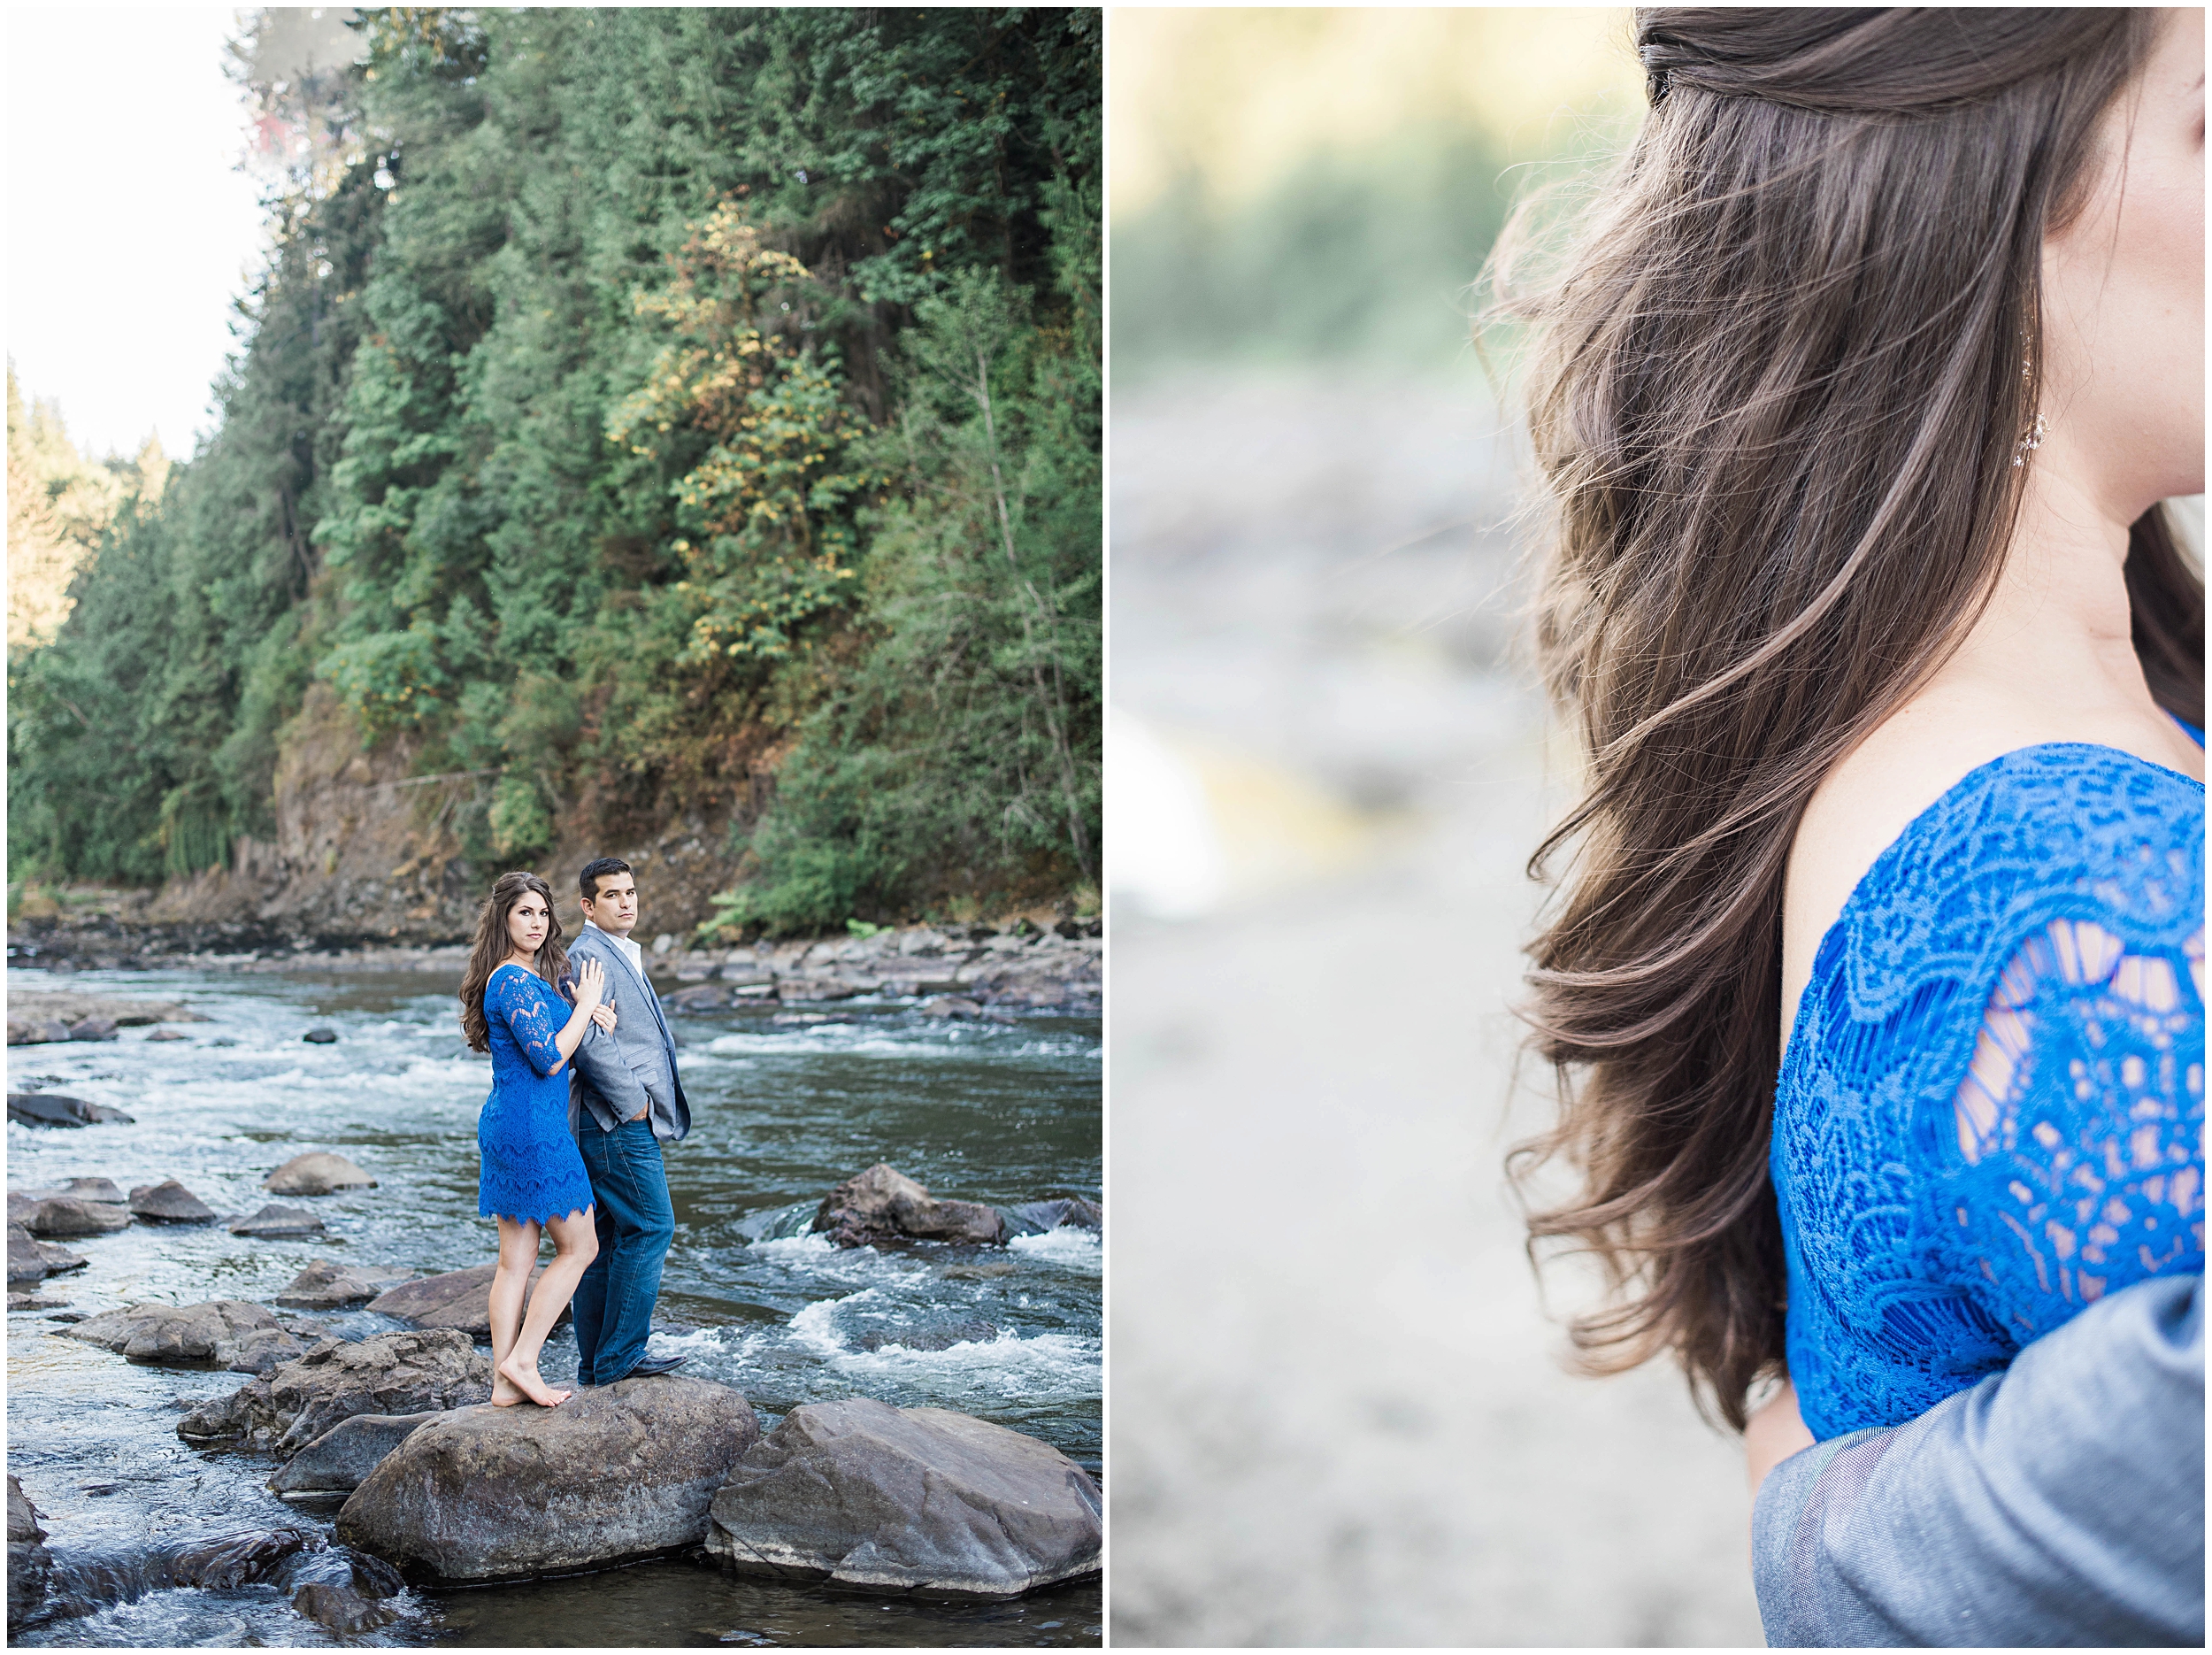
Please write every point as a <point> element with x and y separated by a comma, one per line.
<point>93,1028</point>
<point>29,1562</point>
<point>35,1301</point>
<point>1034,1218</point>
<point>317,1173</point>
<point>103,1189</point>
<point>226,1562</point>
<point>389,1372</point>
<point>616,1471</point>
<point>921,1500</point>
<point>169,1202</point>
<point>882,1204</point>
<point>342,1608</point>
<point>951,1005</point>
<point>36,1031</point>
<point>276,1221</point>
<point>457,1298</point>
<point>225,1333</point>
<point>53,1109</point>
<point>327,1285</point>
<point>168,1034</point>
<point>339,1461</point>
<point>321,1036</point>
<point>67,1006</point>
<point>66,1215</point>
<point>33,1260</point>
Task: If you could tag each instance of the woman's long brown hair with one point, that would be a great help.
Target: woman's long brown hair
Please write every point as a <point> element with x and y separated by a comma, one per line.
<point>494,943</point>
<point>1778,392</point>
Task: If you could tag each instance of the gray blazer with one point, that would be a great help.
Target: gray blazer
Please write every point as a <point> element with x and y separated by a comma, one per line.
<point>614,1076</point>
<point>2060,1501</point>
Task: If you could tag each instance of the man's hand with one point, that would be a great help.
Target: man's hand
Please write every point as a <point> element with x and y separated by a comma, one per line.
<point>1772,1434</point>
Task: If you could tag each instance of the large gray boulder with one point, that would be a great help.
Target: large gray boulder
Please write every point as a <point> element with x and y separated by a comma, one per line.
<point>33,1260</point>
<point>226,1332</point>
<point>169,1202</point>
<point>339,1460</point>
<point>461,1299</point>
<point>326,1284</point>
<point>917,1500</point>
<point>617,1472</point>
<point>882,1204</point>
<point>65,1215</point>
<point>29,1562</point>
<point>317,1173</point>
<point>389,1372</point>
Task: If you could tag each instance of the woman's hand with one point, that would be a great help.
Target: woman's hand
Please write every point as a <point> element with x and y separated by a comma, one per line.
<point>591,986</point>
<point>603,1015</point>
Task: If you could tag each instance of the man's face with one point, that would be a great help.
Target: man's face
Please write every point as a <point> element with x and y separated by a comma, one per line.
<point>615,909</point>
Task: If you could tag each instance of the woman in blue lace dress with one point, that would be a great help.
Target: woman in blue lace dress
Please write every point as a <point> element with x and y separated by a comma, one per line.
<point>532,1177</point>
<point>1875,991</point>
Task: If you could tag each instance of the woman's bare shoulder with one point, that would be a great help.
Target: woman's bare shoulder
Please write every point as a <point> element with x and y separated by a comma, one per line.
<point>1876,792</point>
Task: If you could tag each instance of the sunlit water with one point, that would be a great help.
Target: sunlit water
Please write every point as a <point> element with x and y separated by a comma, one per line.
<point>997,1112</point>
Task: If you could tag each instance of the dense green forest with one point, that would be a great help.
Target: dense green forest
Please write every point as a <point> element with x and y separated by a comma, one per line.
<point>646,411</point>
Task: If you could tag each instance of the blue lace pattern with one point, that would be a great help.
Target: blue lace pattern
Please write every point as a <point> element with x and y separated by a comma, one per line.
<point>532,1168</point>
<point>1991,1109</point>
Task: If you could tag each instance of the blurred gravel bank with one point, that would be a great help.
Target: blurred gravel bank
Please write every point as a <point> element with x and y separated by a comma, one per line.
<point>1337,1414</point>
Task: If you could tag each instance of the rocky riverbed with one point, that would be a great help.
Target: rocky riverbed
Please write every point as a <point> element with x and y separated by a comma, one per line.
<point>968,969</point>
<point>161,1298</point>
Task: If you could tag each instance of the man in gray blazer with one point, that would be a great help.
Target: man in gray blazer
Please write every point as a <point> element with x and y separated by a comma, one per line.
<point>625,1100</point>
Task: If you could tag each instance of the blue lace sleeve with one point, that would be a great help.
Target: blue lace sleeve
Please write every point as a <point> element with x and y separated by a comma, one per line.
<point>519,999</point>
<point>2088,1070</point>
<point>1991,1110</point>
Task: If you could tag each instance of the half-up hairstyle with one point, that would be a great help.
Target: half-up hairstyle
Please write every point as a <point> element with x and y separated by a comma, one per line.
<point>1779,393</point>
<point>494,943</point>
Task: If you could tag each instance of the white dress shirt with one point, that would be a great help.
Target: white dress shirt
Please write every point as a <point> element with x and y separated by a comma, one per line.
<point>631,951</point>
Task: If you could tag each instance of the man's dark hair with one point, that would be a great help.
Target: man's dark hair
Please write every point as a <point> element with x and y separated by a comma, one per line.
<point>597,869</point>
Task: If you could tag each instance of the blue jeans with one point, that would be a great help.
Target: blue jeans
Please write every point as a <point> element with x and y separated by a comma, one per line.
<point>614,1301</point>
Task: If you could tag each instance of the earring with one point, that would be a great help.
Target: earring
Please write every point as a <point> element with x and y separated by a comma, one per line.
<point>2038,430</point>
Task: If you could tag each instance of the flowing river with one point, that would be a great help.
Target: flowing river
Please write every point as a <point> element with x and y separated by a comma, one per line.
<point>782,1109</point>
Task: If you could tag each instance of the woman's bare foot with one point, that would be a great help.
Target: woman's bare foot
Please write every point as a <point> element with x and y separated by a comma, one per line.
<point>526,1380</point>
<point>505,1392</point>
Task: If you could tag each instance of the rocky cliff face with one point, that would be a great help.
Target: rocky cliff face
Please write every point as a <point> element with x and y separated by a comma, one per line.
<point>364,849</point>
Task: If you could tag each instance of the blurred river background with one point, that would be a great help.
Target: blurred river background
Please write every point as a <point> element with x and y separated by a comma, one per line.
<point>1339,1414</point>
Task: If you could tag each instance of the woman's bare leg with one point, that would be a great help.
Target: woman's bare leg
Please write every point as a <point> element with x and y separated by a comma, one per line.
<point>518,1256</point>
<point>576,1244</point>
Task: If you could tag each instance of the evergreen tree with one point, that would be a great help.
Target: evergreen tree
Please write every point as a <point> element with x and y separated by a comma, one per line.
<point>601,415</point>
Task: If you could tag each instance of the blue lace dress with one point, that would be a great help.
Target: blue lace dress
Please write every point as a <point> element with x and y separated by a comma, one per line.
<point>532,1167</point>
<point>1991,1108</point>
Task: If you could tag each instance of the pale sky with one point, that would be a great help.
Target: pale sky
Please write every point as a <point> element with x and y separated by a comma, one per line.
<point>130,229</point>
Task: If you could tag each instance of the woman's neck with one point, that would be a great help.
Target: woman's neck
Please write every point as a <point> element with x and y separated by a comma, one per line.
<point>2054,646</point>
<point>516,957</point>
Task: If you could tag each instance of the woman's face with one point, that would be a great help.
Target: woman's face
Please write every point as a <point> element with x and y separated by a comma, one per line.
<point>526,922</point>
<point>2124,295</point>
